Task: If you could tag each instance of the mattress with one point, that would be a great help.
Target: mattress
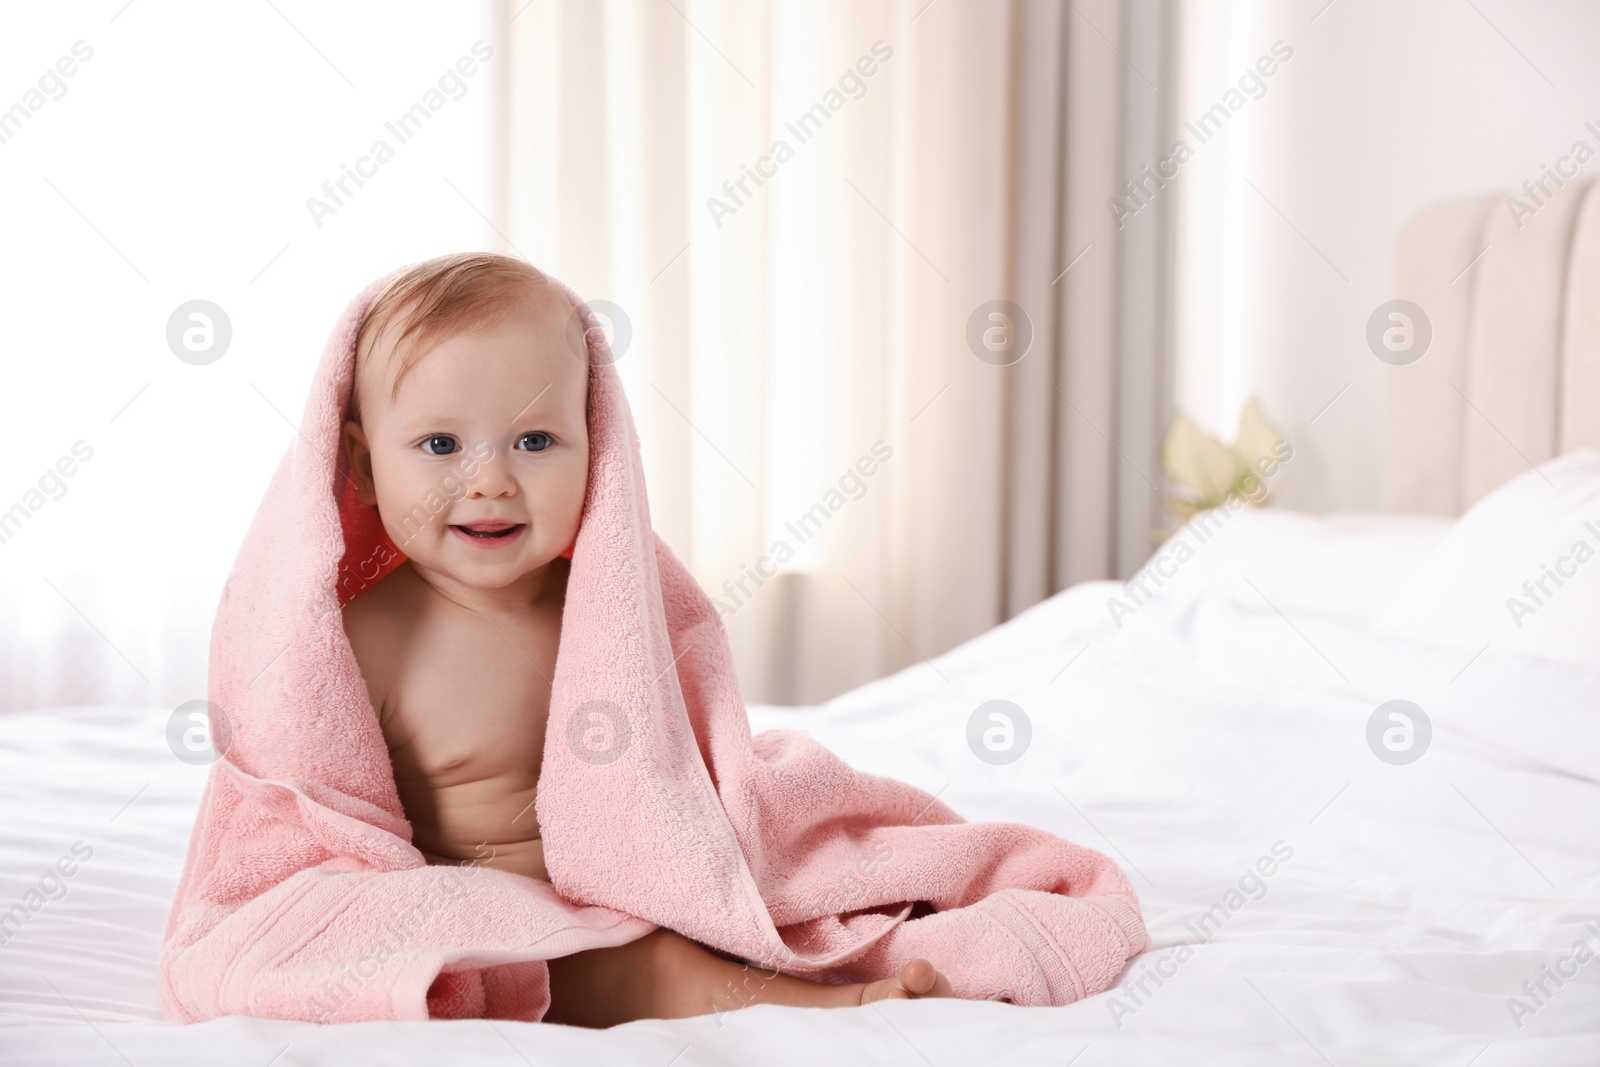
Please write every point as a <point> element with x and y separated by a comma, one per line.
<point>1312,898</point>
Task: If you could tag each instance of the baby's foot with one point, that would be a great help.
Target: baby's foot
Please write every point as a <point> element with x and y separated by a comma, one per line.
<point>917,979</point>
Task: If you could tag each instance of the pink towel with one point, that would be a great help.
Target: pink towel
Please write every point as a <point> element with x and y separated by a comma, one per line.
<point>303,898</point>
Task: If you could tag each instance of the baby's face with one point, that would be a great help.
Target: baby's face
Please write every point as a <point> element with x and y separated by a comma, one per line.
<point>479,464</point>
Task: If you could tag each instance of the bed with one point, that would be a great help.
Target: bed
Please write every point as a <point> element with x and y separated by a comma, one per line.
<point>1408,903</point>
<point>1324,883</point>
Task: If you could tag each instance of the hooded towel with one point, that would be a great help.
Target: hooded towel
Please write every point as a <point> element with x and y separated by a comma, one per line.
<point>303,898</point>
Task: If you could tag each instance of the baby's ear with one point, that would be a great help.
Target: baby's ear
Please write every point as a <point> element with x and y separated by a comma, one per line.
<point>355,446</point>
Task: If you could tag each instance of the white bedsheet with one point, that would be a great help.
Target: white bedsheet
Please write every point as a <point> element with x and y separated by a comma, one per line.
<point>1228,715</point>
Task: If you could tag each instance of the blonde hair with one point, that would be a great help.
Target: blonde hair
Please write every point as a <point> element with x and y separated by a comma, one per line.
<point>438,297</point>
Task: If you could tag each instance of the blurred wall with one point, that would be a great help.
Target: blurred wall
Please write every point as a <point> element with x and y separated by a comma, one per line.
<point>1287,216</point>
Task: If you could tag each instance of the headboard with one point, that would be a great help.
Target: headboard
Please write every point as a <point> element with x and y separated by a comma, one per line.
<point>1512,375</point>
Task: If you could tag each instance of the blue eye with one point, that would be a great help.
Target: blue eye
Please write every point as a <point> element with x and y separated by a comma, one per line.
<point>448,447</point>
<point>536,441</point>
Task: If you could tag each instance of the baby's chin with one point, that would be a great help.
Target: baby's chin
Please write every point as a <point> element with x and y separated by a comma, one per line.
<point>485,562</point>
<point>488,578</point>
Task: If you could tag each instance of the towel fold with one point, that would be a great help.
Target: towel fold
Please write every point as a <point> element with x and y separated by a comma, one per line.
<point>303,898</point>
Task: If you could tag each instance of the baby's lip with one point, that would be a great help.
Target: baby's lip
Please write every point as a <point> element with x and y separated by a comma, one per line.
<point>489,534</point>
<point>488,525</point>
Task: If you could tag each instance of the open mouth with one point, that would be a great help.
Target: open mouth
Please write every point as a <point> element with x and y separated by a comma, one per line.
<point>488,533</point>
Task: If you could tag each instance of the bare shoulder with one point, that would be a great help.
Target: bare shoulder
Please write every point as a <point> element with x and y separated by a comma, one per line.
<point>375,611</point>
<point>376,623</point>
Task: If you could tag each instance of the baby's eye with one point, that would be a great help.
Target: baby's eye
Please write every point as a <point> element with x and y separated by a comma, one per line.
<point>432,445</point>
<point>535,441</point>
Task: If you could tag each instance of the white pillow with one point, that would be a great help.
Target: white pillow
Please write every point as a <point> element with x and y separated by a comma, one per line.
<point>1342,565</point>
<point>1519,572</point>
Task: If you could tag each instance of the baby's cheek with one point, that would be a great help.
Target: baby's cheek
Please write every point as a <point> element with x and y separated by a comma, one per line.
<point>577,474</point>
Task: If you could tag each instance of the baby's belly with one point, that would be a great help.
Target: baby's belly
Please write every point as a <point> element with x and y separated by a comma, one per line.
<point>486,821</point>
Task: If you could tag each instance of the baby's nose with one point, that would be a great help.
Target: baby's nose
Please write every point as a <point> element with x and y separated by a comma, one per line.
<point>492,478</point>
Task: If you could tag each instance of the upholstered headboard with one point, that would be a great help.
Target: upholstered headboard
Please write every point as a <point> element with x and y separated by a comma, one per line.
<point>1512,375</point>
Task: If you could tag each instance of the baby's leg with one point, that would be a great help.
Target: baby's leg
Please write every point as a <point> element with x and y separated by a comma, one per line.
<point>664,975</point>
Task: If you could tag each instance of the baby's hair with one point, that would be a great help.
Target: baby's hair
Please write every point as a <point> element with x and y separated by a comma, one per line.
<point>439,297</point>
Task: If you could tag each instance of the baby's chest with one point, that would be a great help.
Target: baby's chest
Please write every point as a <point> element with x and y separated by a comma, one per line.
<point>467,719</point>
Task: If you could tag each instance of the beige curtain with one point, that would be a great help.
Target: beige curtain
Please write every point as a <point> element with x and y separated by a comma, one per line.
<point>799,208</point>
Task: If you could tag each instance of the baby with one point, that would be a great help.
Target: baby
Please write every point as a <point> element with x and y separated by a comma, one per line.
<point>471,375</point>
